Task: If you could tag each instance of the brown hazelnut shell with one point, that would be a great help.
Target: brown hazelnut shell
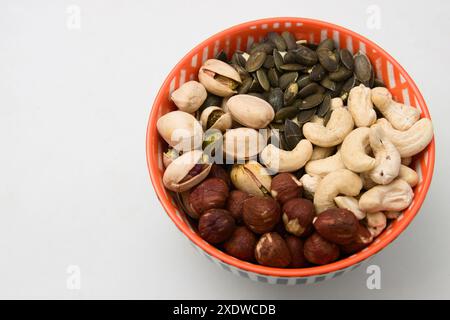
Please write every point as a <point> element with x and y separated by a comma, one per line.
<point>295,246</point>
<point>285,187</point>
<point>298,215</point>
<point>319,251</point>
<point>272,251</point>
<point>235,203</point>
<point>261,214</point>
<point>212,193</point>
<point>241,244</point>
<point>216,226</point>
<point>337,225</point>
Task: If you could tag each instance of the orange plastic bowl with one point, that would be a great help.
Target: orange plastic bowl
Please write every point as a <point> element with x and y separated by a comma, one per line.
<point>240,37</point>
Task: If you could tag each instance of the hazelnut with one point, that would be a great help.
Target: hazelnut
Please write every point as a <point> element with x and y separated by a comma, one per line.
<point>337,225</point>
<point>242,244</point>
<point>217,171</point>
<point>235,203</point>
<point>284,187</point>
<point>272,251</point>
<point>295,246</point>
<point>211,193</point>
<point>216,225</point>
<point>362,239</point>
<point>298,215</point>
<point>261,214</point>
<point>317,250</point>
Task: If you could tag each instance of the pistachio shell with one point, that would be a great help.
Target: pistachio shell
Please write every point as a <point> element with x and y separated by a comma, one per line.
<point>219,77</point>
<point>251,178</point>
<point>176,172</point>
<point>215,118</point>
<point>180,130</point>
<point>189,97</point>
<point>250,111</point>
<point>242,143</point>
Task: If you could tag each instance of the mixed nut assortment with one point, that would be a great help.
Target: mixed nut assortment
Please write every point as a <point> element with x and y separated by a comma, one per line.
<point>291,154</point>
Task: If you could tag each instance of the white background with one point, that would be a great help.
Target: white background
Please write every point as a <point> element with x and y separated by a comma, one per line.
<point>74,187</point>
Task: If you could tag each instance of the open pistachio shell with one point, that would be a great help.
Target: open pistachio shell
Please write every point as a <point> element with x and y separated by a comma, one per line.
<point>169,156</point>
<point>176,177</point>
<point>180,130</point>
<point>252,178</point>
<point>250,111</point>
<point>216,118</point>
<point>242,143</point>
<point>219,78</point>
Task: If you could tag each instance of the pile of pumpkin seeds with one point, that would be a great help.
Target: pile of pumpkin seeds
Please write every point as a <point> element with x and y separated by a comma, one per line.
<point>298,79</point>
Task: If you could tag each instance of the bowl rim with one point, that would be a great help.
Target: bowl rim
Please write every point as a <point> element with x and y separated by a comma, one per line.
<point>375,247</point>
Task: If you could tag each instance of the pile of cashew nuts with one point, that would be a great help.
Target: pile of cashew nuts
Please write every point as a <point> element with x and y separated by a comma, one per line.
<point>360,162</point>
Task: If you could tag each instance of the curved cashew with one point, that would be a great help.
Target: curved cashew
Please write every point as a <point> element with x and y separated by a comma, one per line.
<point>406,161</point>
<point>387,157</point>
<point>337,128</point>
<point>376,222</point>
<point>309,183</point>
<point>286,161</point>
<point>342,181</point>
<point>324,166</point>
<point>401,116</point>
<point>321,153</point>
<point>354,148</point>
<point>361,107</point>
<point>350,203</point>
<point>409,175</point>
<point>411,141</point>
<point>395,196</point>
<point>336,103</point>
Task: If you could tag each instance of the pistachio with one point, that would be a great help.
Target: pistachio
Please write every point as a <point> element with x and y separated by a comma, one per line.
<point>189,97</point>
<point>180,130</point>
<point>170,155</point>
<point>219,77</point>
<point>242,143</point>
<point>186,171</point>
<point>215,118</point>
<point>251,178</point>
<point>250,111</point>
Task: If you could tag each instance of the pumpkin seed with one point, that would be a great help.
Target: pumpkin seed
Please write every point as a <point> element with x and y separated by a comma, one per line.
<point>372,80</point>
<point>348,85</point>
<point>245,86</point>
<point>243,74</point>
<point>324,106</point>
<point>293,67</point>
<point>378,83</point>
<point>277,40</point>
<point>346,58</point>
<point>312,101</point>
<point>286,79</point>
<point>222,56</point>
<point>328,84</point>
<point>328,59</point>
<point>266,47</point>
<point>255,87</point>
<point>277,126</point>
<point>286,113</point>
<point>363,68</point>
<point>317,73</point>
<point>326,44</point>
<point>335,93</point>
<point>262,79</point>
<point>306,115</point>
<point>327,117</point>
<point>303,80</point>
<point>305,55</point>
<point>276,99</point>
<point>308,90</point>
<point>289,57</point>
<point>210,101</point>
<point>257,94</point>
<point>238,59</point>
<point>269,62</point>
<point>277,59</point>
<point>255,61</point>
<point>292,134</point>
<point>289,40</point>
<point>341,74</point>
<point>290,93</point>
<point>311,46</point>
<point>272,75</point>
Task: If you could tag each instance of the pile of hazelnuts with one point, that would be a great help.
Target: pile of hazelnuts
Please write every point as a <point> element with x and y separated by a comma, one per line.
<point>279,230</point>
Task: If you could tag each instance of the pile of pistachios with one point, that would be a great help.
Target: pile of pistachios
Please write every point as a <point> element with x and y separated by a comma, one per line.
<point>264,157</point>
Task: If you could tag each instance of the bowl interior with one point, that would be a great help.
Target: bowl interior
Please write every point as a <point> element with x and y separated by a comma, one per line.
<point>241,37</point>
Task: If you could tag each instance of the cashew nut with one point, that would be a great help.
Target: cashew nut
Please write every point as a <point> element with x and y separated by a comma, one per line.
<point>361,107</point>
<point>322,152</point>
<point>324,166</point>
<point>395,196</point>
<point>342,181</point>
<point>387,157</point>
<point>411,141</point>
<point>350,203</point>
<point>337,128</point>
<point>336,103</point>
<point>376,222</point>
<point>409,175</point>
<point>354,153</point>
<point>401,116</point>
<point>309,183</point>
<point>279,160</point>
